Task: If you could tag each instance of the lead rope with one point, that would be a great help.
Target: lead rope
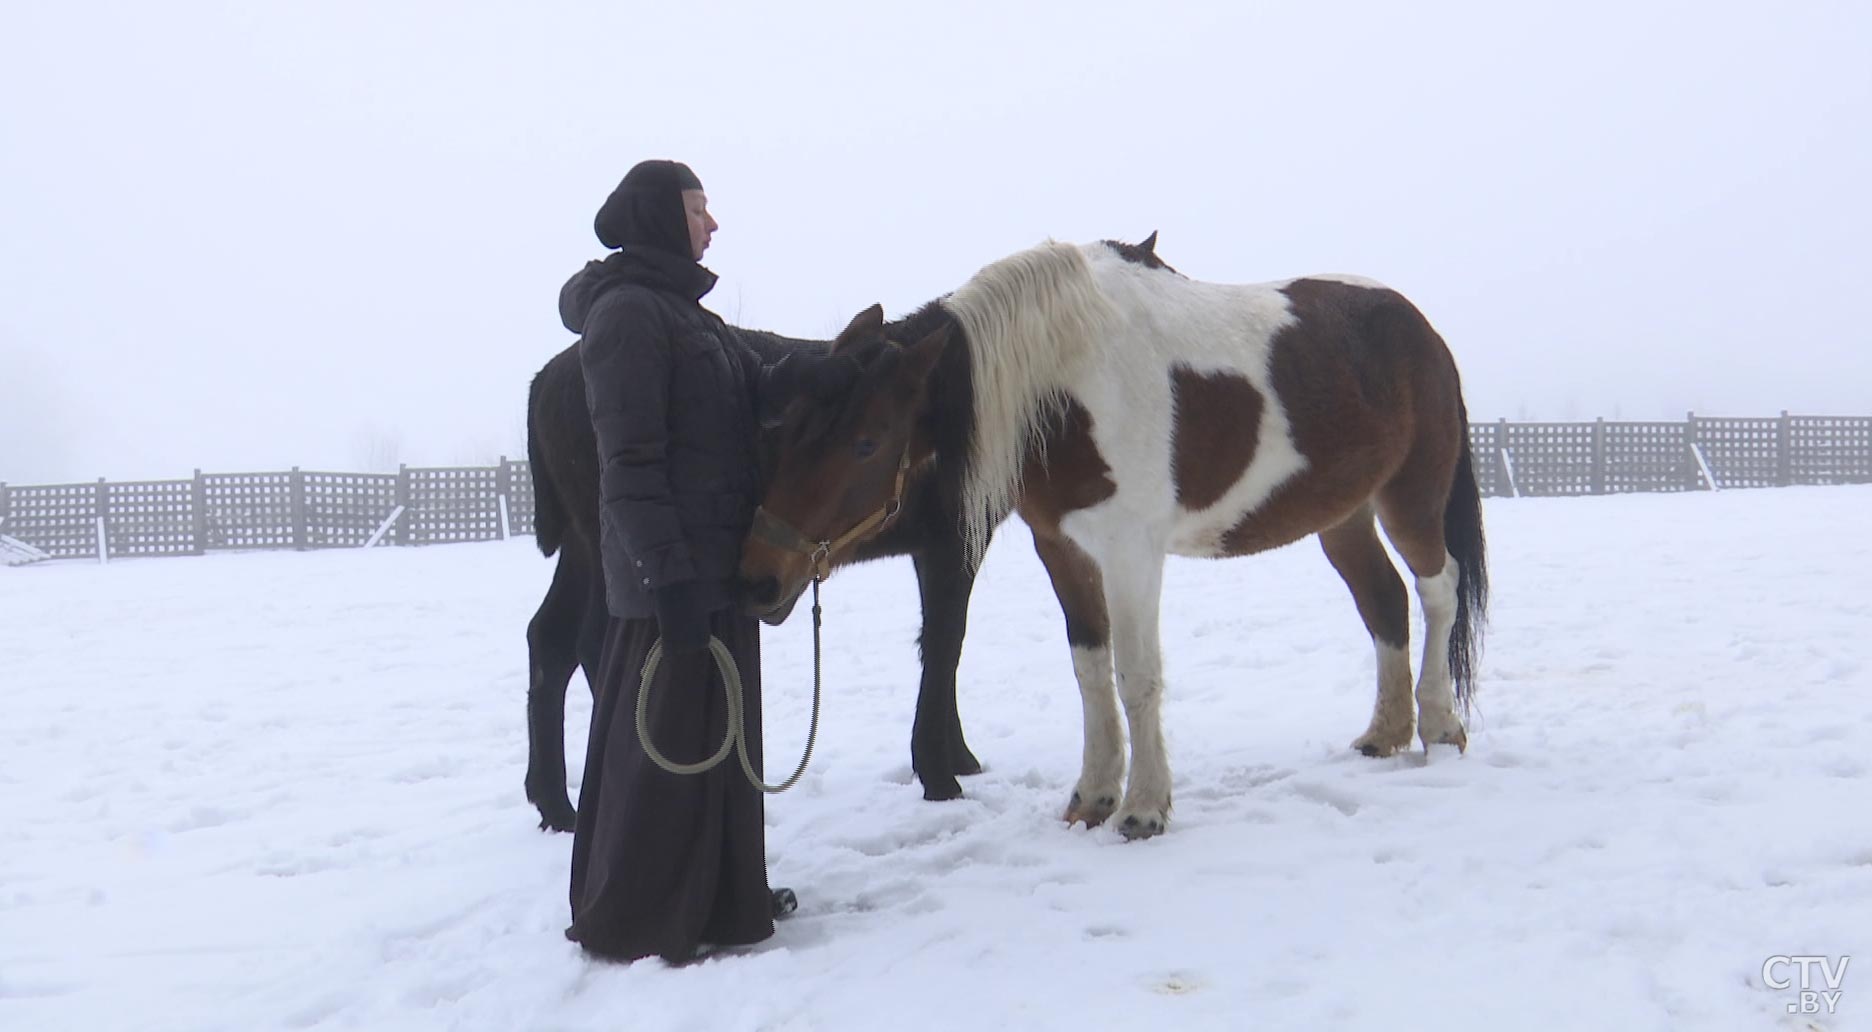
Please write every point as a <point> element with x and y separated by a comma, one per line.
<point>736,736</point>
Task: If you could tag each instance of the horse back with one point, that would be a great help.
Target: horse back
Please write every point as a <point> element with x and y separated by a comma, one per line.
<point>1243,417</point>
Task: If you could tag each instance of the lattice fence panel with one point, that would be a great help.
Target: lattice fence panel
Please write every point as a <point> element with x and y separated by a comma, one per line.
<point>1648,457</point>
<point>1825,450</point>
<point>519,498</point>
<point>58,519</point>
<point>248,510</point>
<point>452,505</point>
<point>1741,452</point>
<point>150,518</point>
<point>337,510</point>
<point>1551,458</point>
<point>342,510</point>
<point>1485,459</point>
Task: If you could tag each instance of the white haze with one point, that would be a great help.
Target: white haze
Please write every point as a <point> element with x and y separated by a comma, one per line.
<point>244,236</point>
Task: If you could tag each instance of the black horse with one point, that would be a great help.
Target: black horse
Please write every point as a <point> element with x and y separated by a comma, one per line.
<point>566,631</point>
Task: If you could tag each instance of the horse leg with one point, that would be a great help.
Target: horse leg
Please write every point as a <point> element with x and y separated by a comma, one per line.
<point>1133,593</point>
<point>553,652</point>
<point>1419,539</point>
<point>1437,722</point>
<point>937,750</point>
<point>1081,594</point>
<point>1354,550</point>
<point>962,759</point>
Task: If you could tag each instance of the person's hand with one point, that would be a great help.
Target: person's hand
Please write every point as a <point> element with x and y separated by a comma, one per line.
<point>681,620</point>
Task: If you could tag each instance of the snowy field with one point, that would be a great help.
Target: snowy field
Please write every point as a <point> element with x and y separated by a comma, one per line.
<point>283,791</point>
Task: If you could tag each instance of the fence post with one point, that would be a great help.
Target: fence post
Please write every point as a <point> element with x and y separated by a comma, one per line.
<point>198,503</point>
<point>103,511</point>
<point>295,482</point>
<point>502,484</point>
<point>1693,475</point>
<point>1504,463</point>
<point>1784,450</point>
<point>403,501</point>
<point>1598,457</point>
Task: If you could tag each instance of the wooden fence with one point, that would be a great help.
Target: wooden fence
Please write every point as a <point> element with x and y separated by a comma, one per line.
<point>298,509</point>
<point>1698,454</point>
<point>301,509</point>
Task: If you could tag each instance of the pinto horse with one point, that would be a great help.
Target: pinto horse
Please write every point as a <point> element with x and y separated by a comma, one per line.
<point>1128,412</point>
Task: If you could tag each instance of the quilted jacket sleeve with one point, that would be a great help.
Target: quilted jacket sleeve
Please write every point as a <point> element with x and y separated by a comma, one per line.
<point>626,355</point>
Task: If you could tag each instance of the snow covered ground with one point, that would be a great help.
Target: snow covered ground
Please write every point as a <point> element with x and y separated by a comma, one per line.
<point>284,791</point>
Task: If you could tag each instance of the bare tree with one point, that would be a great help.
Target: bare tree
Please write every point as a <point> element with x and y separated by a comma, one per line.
<point>376,448</point>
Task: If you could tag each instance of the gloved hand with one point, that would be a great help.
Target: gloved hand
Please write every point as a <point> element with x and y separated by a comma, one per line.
<point>681,620</point>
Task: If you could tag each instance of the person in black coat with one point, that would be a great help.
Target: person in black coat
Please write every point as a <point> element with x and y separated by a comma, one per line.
<point>666,864</point>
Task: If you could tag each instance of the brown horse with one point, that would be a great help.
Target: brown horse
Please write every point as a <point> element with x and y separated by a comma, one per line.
<point>1127,413</point>
<point>567,630</point>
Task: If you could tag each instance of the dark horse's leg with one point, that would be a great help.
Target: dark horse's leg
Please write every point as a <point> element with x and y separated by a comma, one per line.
<point>555,646</point>
<point>937,750</point>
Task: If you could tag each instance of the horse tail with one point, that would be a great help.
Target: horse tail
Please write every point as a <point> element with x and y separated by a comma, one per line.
<point>1462,536</point>
<point>549,518</point>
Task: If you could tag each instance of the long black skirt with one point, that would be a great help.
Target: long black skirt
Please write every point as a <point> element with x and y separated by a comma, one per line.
<point>663,863</point>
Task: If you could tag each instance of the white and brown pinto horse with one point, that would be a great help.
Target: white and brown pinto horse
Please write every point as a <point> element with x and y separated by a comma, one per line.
<point>1127,412</point>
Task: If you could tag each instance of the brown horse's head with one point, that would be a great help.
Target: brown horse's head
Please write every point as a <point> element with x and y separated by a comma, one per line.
<point>839,464</point>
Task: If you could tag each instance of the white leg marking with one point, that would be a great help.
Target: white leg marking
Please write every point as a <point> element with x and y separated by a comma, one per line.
<point>1392,713</point>
<point>1133,596</point>
<point>1437,722</point>
<point>1102,767</point>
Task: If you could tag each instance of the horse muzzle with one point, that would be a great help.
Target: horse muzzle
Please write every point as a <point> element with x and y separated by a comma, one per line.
<point>764,599</point>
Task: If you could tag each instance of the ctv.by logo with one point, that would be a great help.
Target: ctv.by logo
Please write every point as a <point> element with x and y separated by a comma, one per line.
<point>1776,973</point>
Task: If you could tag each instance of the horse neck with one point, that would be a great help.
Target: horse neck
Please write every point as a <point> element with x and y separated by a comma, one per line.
<point>940,437</point>
<point>1029,322</point>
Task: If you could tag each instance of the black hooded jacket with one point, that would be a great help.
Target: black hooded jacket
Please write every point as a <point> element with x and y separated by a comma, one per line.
<point>675,397</point>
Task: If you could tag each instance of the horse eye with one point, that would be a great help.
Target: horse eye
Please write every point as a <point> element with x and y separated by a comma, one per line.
<point>866,447</point>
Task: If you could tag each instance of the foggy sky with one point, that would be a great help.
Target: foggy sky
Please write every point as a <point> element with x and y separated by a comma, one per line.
<point>249,236</point>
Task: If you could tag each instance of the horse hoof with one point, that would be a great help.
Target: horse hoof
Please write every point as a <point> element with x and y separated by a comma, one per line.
<point>1094,814</point>
<point>561,817</point>
<point>1458,738</point>
<point>1442,727</point>
<point>1378,745</point>
<point>938,790</point>
<point>1135,827</point>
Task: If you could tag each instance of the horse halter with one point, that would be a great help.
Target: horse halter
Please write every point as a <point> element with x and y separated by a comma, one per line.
<point>777,532</point>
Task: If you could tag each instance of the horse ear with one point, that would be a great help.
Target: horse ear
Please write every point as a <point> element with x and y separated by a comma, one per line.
<point>1149,246</point>
<point>785,378</point>
<point>921,357</point>
<point>868,323</point>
